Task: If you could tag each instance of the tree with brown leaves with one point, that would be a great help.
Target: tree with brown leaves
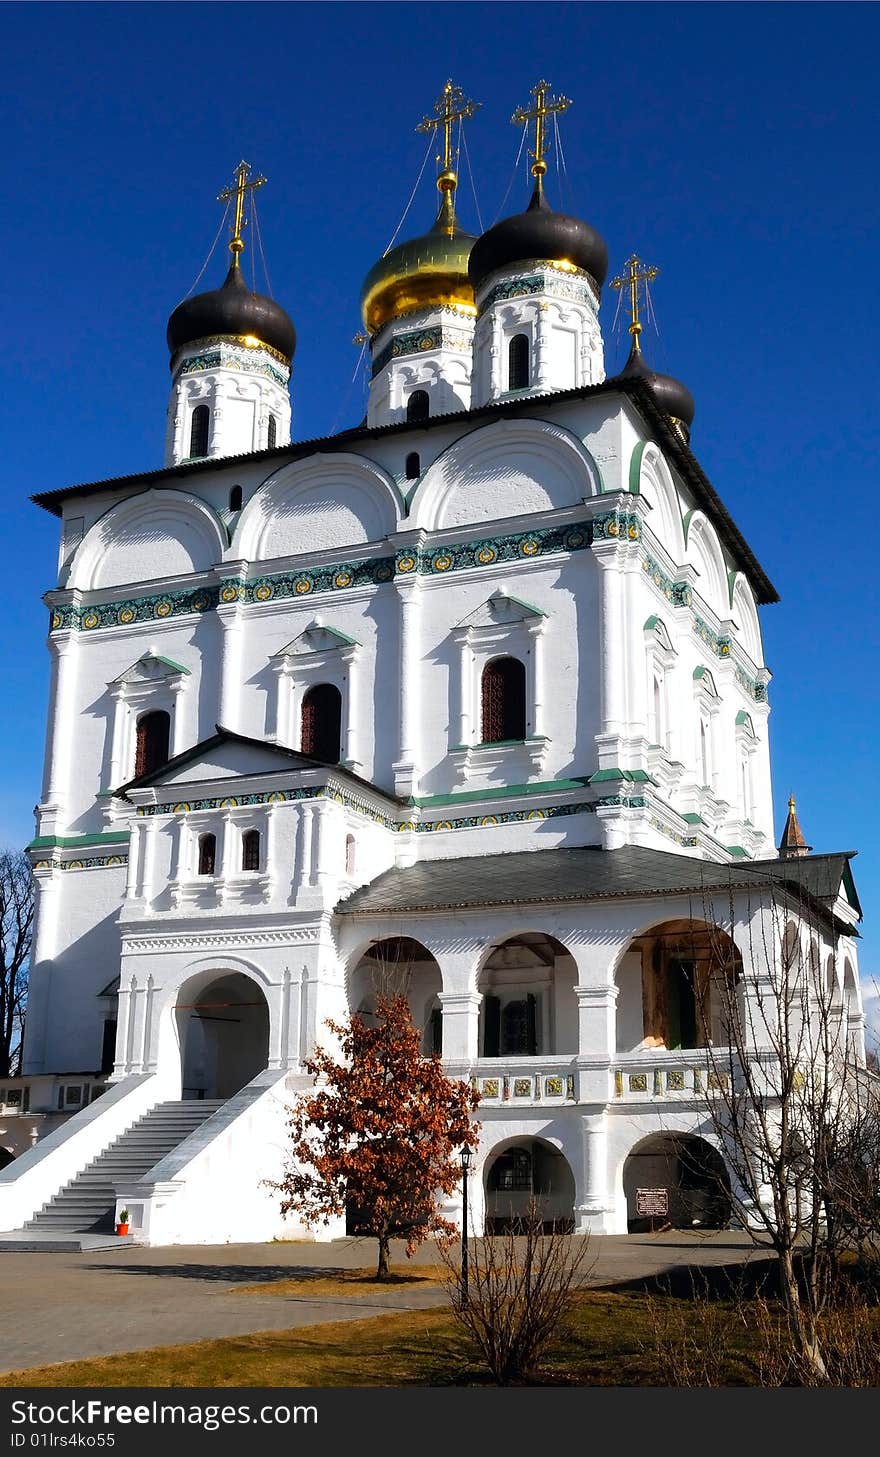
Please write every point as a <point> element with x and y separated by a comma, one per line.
<point>16,933</point>
<point>380,1135</point>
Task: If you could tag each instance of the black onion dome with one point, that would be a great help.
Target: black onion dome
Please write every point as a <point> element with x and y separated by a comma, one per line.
<point>542,234</point>
<point>672,397</point>
<point>235,311</point>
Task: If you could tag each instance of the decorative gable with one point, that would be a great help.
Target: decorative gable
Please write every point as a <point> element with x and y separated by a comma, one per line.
<point>318,637</point>
<point>151,668</point>
<point>501,610</point>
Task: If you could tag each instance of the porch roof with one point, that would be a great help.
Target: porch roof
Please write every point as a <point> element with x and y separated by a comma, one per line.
<point>587,873</point>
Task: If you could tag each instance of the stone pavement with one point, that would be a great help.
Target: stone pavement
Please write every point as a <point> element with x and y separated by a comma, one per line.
<point>64,1307</point>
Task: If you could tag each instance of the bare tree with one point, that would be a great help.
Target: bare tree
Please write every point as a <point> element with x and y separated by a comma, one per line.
<point>797,1115</point>
<point>16,933</point>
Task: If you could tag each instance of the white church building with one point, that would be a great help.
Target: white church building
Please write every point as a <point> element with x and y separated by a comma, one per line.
<point>476,686</point>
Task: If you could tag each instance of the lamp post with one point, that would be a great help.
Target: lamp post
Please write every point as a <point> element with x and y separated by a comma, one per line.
<point>466,1158</point>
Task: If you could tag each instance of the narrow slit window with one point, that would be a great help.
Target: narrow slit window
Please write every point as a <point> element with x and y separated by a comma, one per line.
<point>207,854</point>
<point>349,854</point>
<point>418,407</point>
<point>250,850</point>
<point>198,434</point>
<point>413,466</point>
<point>235,498</point>
<point>152,737</point>
<point>272,433</point>
<point>321,735</point>
<point>518,362</point>
<point>503,701</point>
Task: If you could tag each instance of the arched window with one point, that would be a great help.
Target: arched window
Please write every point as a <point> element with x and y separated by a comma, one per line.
<point>235,498</point>
<point>512,1170</point>
<point>503,701</point>
<point>417,407</point>
<point>322,723</point>
<point>349,854</point>
<point>518,362</point>
<point>272,433</point>
<point>413,466</point>
<point>250,850</point>
<point>152,738</point>
<point>198,434</point>
<point>207,854</point>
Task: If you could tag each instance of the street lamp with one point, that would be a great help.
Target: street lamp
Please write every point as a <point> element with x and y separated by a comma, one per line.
<point>466,1160</point>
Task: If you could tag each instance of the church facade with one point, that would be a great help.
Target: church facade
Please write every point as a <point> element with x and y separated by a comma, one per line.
<point>475,690</point>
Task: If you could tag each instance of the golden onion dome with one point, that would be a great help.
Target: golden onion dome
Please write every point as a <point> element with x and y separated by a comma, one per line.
<point>430,271</point>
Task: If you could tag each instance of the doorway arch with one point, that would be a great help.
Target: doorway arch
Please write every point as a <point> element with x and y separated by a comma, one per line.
<point>528,1174</point>
<point>223,1033</point>
<point>688,1171</point>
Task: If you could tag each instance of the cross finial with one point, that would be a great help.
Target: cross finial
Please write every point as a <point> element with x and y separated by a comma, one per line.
<point>636,272</point>
<point>449,108</point>
<point>244,182</point>
<point>791,804</point>
<point>545,105</point>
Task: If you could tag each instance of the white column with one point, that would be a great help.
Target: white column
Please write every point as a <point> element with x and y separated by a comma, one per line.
<point>182,737</point>
<point>594,1202</point>
<point>61,725</point>
<point>351,714</point>
<point>148,855</point>
<point>461,1014</point>
<point>130,1024</point>
<point>132,879</point>
<point>536,659</point>
<point>406,768</point>
<point>612,645</point>
<point>465,735</point>
<point>146,1045</point>
<point>597,1020</point>
<point>542,347</point>
<point>118,765</point>
<point>231,627</point>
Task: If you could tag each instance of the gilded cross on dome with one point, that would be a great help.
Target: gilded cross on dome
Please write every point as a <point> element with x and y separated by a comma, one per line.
<point>545,105</point>
<point>636,272</point>
<point>244,183</point>
<point>449,108</point>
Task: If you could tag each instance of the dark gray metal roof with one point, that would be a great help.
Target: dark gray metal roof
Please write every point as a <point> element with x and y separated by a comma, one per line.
<point>583,873</point>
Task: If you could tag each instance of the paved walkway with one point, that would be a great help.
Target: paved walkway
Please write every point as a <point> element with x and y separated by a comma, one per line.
<point>64,1307</point>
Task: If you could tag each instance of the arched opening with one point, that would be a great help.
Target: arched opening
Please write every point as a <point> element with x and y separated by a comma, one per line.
<point>235,498</point>
<point>250,850</point>
<point>503,701</point>
<point>413,466</point>
<point>528,998</point>
<point>207,854</point>
<point>678,987</point>
<point>518,362</point>
<point>525,1178</point>
<point>400,965</point>
<point>224,1036</point>
<point>322,723</point>
<point>198,432</point>
<point>418,407</point>
<point>272,433</point>
<point>676,1181</point>
<point>152,739</point>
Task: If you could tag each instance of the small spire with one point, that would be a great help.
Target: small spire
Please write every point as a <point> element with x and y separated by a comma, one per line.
<point>792,845</point>
<point>449,108</point>
<point>244,182</point>
<point>545,105</point>
<point>636,272</point>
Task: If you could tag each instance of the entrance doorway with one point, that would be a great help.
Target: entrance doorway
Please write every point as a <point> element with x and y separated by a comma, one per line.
<point>224,1036</point>
<point>529,1176</point>
<point>676,1181</point>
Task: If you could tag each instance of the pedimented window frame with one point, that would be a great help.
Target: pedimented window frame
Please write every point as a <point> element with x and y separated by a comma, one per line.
<point>320,654</point>
<point>501,627</point>
<point>152,683</point>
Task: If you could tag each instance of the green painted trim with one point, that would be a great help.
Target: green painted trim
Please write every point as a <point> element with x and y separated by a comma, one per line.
<point>74,842</point>
<point>650,623</point>
<point>738,852</point>
<point>635,467</point>
<point>529,606</point>
<point>700,671</point>
<point>693,819</point>
<point>732,575</point>
<point>169,663</point>
<point>632,776</point>
<point>507,791</point>
<point>686,523</point>
<point>508,743</point>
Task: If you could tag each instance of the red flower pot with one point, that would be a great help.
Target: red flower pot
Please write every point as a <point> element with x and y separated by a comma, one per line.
<point>122,1229</point>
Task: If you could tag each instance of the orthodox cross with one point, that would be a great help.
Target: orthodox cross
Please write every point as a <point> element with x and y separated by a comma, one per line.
<point>545,105</point>
<point>449,107</point>
<point>244,182</point>
<point>636,272</point>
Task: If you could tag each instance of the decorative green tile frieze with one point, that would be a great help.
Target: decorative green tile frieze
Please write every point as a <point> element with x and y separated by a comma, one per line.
<point>135,609</point>
<point>620,525</point>
<point>94,862</point>
<point>433,561</point>
<point>244,361</point>
<point>421,341</point>
<point>562,285</point>
<point>687,841</point>
<point>678,593</point>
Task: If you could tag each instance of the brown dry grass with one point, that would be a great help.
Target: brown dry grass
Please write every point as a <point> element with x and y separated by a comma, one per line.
<point>346,1283</point>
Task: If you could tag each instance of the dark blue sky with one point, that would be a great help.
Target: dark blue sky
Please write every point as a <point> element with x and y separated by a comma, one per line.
<point>732,145</point>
